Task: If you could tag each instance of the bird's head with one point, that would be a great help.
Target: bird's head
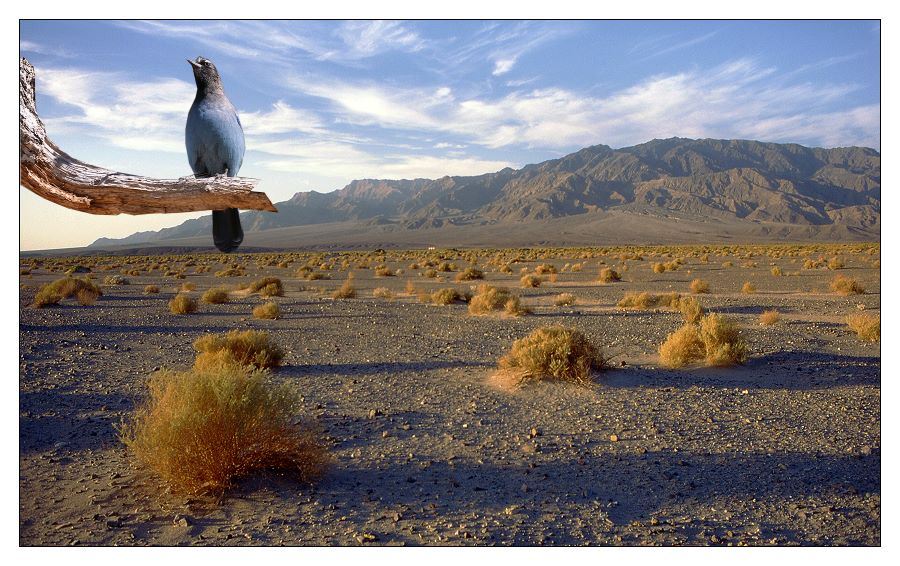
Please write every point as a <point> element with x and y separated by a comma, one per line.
<point>205,74</point>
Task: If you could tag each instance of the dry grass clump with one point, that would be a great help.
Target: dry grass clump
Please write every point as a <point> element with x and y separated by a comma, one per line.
<point>84,291</point>
<point>769,317</point>
<point>866,326</point>
<point>545,268</point>
<point>843,285</point>
<point>187,286</point>
<point>237,271</point>
<point>384,271</point>
<point>609,275</point>
<point>346,291</point>
<point>202,429</point>
<point>268,287</point>
<point>748,288</point>
<point>269,311</point>
<point>645,300</point>
<point>217,296</point>
<point>530,280</point>
<point>470,274</point>
<point>715,340</point>
<point>699,286</point>
<point>445,296</point>
<point>182,304</point>
<point>151,289</point>
<point>382,293</point>
<point>835,263</point>
<point>776,271</point>
<point>564,300</point>
<point>489,299</point>
<point>244,348</point>
<point>690,308</point>
<point>552,353</point>
<point>116,280</point>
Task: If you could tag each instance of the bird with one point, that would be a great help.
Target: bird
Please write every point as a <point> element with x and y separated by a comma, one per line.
<point>214,139</point>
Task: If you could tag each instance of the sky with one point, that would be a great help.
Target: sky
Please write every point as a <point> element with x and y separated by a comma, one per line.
<point>326,102</point>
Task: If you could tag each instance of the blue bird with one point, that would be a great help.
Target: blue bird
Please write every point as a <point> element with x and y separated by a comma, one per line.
<point>215,145</point>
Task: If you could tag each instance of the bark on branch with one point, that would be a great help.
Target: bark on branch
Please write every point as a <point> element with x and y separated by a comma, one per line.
<point>50,172</point>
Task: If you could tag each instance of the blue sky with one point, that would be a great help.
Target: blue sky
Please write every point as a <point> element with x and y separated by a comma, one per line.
<point>326,102</point>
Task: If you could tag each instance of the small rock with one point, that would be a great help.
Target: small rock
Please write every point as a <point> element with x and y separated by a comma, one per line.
<point>535,432</point>
<point>366,537</point>
<point>613,438</point>
<point>181,521</point>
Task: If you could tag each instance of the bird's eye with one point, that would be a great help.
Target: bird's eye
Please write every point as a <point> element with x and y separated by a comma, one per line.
<point>206,63</point>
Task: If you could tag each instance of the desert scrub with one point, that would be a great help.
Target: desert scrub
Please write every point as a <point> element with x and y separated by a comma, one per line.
<point>182,304</point>
<point>384,271</point>
<point>187,286</point>
<point>202,429</point>
<point>843,285</point>
<point>609,275</point>
<point>151,289</point>
<point>716,340</point>
<point>835,263</point>
<point>769,317</point>
<point>645,300</point>
<point>866,326</point>
<point>346,291</point>
<point>545,268</point>
<point>690,308</point>
<point>530,280</point>
<point>470,274</point>
<point>268,287</point>
<point>66,288</point>
<point>244,348</point>
<point>382,293</point>
<point>268,311</point>
<point>748,288</point>
<point>564,300</point>
<point>217,296</point>
<point>231,272</point>
<point>699,286</point>
<point>776,271</point>
<point>553,353</point>
<point>446,296</point>
<point>489,299</point>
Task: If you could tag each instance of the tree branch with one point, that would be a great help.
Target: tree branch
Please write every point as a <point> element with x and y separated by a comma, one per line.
<point>58,177</point>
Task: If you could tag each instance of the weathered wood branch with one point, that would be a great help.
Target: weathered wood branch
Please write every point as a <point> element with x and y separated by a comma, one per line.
<point>50,172</point>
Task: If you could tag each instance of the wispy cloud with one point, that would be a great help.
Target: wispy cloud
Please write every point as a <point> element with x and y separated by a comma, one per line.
<point>26,46</point>
<point>658,49</point>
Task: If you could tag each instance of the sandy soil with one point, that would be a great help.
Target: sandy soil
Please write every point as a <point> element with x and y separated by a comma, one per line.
<point>784,450</point>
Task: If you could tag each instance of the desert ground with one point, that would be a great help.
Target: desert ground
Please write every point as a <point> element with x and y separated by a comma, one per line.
<point>784,449</point>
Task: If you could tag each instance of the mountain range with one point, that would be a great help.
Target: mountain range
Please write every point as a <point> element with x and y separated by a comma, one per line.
<point>674,190</point>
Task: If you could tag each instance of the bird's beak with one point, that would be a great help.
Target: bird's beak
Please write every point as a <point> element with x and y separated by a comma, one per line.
<point>194,64</point>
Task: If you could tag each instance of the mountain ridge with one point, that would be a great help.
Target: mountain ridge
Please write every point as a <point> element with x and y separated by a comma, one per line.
<point>732,181</point>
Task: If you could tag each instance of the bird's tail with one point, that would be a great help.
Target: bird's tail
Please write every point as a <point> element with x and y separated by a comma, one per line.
<point>227,231</point>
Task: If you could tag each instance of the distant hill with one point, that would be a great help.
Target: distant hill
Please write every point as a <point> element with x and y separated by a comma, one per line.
<point>679,190</point>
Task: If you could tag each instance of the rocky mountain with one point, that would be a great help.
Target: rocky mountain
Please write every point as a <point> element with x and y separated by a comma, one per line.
<point>748,186</point>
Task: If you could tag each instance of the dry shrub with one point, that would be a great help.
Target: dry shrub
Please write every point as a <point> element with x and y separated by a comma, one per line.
<point>690,308</point>
<point>722,341</point>
<point>182,304</point>
<point>727,264</point>
<point>553,353</point>
<point>268,287</point>
<point>866,326</point>
<point>269,311</point>
<point>659,268</point>
<point>447,296</point>
<point>411,288</point>
<point>245,348</point>
<point>66,288</point>
<point>151,289</point>
<point>116,280</point>
<point>699,286</point>
<point>609,275</point>
<point>384,271</point>
<point>470,274</point>
<point>231,272</point>
<point>545,268</point>
<point>489,299</point>
<point>681,347</point>
<point>564,300</point>
<point>382,293</point>
<point>216,296</point>
<point>748,288</point>
<point>506,269</point>
<point>530,280</point>
<point>202,429</point>
<point>715,339</point>
<point>776,271</point>
<point>186,287</point>
<point>835,263</point>
<point>86,296</point>
<point>770,317</point>
<point>430,273</point>
<point>645,300</point>
<point>346,291</point>
<point>843,285</point>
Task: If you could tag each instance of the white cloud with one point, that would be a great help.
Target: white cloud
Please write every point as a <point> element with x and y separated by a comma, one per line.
<point>365,39</point>
<point>502,66</point>
<point>281,119</point>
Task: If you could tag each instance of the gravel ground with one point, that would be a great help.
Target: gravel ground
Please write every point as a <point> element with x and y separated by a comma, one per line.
<point>785,450</point>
